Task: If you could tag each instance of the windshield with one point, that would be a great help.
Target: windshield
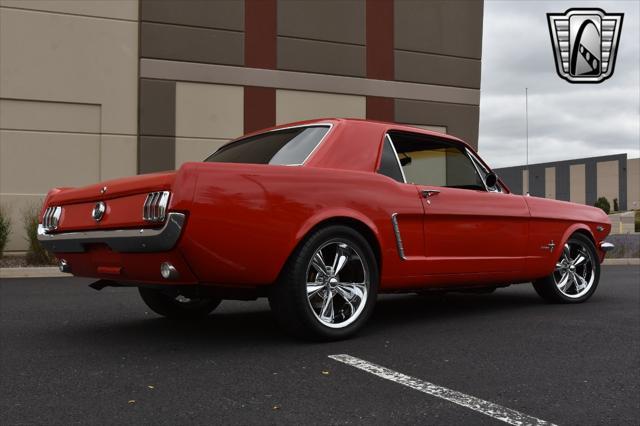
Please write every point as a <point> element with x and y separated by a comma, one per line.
<point>281,147</point>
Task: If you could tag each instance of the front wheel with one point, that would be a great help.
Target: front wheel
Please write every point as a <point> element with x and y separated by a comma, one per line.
<point>576,274</point>
<point>177,306</point>
<point>328,287</point>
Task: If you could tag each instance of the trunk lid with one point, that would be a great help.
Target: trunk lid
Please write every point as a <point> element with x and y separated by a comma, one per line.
<point>123,198</point>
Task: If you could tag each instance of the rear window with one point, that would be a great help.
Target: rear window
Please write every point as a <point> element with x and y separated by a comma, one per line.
<point>281,147</point>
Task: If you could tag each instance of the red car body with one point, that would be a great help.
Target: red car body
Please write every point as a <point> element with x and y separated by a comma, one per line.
<point>241,222</point>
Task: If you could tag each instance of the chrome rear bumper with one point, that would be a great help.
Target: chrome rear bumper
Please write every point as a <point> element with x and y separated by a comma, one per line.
<point>605,246</point>
<point>120,240</point>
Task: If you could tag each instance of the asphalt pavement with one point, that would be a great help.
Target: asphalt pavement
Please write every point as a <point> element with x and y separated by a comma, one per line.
<point>72,355</point>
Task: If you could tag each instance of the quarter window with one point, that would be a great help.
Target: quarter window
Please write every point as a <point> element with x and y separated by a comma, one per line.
<point>389,165</point>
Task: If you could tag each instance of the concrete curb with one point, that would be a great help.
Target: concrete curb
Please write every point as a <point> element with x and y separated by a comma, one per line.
<point>32,272</point>
<point>625,261</point>
<point>54,272</point>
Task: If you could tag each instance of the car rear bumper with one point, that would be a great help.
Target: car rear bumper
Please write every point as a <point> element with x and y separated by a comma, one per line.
<point>139,240</point>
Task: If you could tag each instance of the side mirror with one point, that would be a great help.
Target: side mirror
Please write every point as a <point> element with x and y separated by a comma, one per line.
<point>491,180</point>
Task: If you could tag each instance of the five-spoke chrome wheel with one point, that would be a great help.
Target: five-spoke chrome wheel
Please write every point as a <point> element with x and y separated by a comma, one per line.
<point>337,284</point>
<point>575,272</point>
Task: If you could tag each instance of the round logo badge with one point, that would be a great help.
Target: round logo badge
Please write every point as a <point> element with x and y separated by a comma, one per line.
<point>98,211</point>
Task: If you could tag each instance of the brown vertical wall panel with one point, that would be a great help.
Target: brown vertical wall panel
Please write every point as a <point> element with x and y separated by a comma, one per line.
<point>380,108</point>
<point>380,61</point>
<point>380,39</point>
<point>260,52</point>
<point>259,108</point>
<point>260,33</point>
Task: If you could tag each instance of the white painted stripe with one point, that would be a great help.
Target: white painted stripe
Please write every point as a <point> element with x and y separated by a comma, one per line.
<point>487,408</point>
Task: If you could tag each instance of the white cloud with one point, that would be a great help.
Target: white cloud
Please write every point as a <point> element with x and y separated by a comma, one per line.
<point>565,120</point>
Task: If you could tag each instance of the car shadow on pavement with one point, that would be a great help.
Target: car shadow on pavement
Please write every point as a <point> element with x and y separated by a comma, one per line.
<point>239,324</point>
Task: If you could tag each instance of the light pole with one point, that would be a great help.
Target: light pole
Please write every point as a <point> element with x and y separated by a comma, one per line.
<point>526,121</point>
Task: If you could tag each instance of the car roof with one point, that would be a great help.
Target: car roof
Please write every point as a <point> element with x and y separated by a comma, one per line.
<point>346,121</point>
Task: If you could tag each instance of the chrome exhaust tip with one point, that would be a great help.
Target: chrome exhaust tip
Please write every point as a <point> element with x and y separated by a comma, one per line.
<point>168,271</point>
<point>64,266</point>
<point>605,246</point>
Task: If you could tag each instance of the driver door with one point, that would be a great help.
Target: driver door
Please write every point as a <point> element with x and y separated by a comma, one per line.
<point>468,229</point>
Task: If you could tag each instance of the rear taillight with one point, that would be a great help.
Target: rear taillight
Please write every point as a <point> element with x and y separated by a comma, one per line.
<point>155,206</point>
<point>51,218</point>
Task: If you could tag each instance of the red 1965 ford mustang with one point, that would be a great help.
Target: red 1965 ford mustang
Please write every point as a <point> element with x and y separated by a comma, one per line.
<point>321,216</point>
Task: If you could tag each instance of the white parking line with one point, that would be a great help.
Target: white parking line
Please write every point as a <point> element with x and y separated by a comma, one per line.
<point>487,408</point>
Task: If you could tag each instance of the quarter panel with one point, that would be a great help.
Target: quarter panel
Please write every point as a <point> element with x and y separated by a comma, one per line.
<point>246,220</point>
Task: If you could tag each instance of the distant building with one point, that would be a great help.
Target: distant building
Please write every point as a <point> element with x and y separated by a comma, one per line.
<point>102,89</point>
<point>581,181</point>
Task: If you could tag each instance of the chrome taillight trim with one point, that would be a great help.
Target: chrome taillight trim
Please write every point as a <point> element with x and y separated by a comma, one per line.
<point>155,206</point>
<point>51,218</point>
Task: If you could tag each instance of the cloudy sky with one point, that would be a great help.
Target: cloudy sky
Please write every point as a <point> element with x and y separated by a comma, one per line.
<point>565,120</point>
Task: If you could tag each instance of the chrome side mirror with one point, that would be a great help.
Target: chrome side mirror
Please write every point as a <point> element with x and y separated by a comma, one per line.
<point>491,180</point>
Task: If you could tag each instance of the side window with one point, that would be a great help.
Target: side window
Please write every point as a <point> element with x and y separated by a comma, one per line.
<point>435,162</point>
<point>389,165</point>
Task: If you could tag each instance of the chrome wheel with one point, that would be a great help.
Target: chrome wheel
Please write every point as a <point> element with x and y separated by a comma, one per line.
<point>575,272</point>
<point>337,284</point>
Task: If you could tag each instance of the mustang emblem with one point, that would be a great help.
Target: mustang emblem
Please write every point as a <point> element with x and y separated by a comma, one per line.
<point>549,246</point>
<point>98,211</point>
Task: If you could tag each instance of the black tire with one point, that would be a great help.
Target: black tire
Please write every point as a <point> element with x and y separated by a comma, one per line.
<point>288,298</point>
<point>548,289</point>
<point>168,304</point>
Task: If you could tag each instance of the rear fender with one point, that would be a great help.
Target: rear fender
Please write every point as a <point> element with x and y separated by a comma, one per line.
<point>326,215</point>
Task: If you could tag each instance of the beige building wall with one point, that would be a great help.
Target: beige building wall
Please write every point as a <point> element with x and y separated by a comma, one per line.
<point>207,117</point>
<point>525,181</point>
<point>550,182</point>
<point>608,181</point>
<point>633,184</point>
<point>577,182</point>
<point>295,105</point>
<point>68,98</point>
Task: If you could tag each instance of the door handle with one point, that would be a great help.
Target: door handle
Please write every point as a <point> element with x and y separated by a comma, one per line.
<point>426,193</point>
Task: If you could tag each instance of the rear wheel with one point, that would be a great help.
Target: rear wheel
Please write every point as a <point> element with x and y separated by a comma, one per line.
<point>576,275</point>
<point>328,288</point>
<point>177,306</point>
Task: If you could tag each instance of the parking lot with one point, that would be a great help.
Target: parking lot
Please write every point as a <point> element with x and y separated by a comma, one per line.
<point>71,355</point>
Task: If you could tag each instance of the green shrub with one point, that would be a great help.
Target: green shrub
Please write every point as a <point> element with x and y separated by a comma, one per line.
<point>603,203</point>
<point>616,208</point>
<point>637,220</point>
<point>5,229</point>
<point>36,254</point>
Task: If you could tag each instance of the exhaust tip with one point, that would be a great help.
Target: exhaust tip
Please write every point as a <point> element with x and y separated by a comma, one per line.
<point>64,266</point>
<point>168,271</point>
